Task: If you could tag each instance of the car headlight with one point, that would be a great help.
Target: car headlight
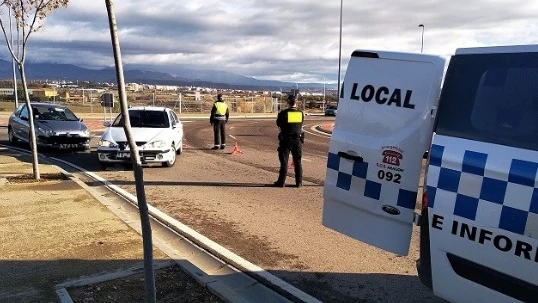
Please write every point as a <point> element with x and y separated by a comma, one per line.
<point>105,143</point>
<point>46,132</point>
<point>156,144</point>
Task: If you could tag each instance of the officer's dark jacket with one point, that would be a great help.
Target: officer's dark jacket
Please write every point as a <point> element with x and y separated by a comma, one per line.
<point>290,122</point>
<point>219,112</point>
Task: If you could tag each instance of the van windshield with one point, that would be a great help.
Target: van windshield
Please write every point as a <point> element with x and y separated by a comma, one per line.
<point>491,98</point>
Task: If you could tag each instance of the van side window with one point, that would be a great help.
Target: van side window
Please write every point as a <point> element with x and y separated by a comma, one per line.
<point>491,98</point>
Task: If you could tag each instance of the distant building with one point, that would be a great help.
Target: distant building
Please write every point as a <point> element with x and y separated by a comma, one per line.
<point>45,92</point>
<point>9,91</point>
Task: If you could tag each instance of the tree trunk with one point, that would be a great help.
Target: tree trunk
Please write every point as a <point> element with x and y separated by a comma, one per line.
<point>32,139</point>
<point>135,157</point>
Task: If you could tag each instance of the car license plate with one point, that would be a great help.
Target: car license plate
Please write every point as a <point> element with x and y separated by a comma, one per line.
<point>124,155</point>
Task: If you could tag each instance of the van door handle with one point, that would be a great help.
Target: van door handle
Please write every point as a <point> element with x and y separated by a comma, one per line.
<point>350,157</point>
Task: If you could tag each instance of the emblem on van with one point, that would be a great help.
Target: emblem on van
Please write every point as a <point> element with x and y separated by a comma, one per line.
<point>392,157</point>
<point>391,210</point>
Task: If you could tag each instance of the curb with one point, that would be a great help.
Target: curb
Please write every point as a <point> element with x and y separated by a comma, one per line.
<point>323,130</point>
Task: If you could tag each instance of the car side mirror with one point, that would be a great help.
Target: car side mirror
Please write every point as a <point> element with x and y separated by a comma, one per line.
<point>106,124</point>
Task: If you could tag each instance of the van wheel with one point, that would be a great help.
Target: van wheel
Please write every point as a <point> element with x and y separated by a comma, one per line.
<point>172,161</point>
<point>12,139</point>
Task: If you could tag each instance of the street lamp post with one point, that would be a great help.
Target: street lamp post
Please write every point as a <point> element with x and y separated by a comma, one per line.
<point>297,90</point>
<point>323,107</point>
<point>339,54</point>
<point>422,38</point>
<point>13,64</point>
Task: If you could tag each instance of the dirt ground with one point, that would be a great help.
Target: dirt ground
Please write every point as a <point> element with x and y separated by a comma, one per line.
<point>53,231</point>
<point>172,284</point>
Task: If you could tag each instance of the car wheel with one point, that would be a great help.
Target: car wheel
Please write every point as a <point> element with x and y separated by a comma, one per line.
<point>172,161</point>
<point>12,139</point>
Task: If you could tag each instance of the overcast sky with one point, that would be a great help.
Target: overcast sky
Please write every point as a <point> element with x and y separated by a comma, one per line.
<point>295,40</point>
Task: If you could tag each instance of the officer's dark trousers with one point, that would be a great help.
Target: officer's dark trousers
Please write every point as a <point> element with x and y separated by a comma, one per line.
<point>219,132</point>
<point>295,146</point>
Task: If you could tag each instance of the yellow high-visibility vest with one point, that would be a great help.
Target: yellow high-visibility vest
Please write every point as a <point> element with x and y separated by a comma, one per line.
<point>295,117</point>
<point>221,108</point>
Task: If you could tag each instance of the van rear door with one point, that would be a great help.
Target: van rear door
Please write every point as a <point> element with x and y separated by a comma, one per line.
<point>383,127</point>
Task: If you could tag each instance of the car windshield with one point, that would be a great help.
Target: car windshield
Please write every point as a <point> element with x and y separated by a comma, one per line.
<point>145,118</point>
<point>53,113</point>
<point>491,98</point>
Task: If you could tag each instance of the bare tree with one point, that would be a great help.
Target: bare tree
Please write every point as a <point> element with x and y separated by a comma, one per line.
<point>29,18</point>
<point>135,157</point>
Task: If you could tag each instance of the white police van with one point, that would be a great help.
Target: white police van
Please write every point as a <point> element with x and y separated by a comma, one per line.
<point>479,216</point>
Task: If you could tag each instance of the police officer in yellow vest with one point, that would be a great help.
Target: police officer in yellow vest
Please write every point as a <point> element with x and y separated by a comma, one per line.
<point>219,118</point>
<point>290,139</point>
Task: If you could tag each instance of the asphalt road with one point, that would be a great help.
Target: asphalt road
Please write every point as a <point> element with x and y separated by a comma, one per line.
<point>228,198</point>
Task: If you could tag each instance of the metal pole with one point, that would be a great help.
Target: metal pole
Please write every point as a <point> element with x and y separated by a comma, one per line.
<point>297,91</point>
<point>340,54</point>
<point>422,38</point>
<point>323,93</point>
<point>15,94</point>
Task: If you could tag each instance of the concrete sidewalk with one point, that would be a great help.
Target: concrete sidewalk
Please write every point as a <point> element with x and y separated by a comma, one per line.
<point>54,231</point>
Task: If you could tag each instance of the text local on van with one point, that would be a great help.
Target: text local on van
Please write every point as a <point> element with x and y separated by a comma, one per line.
<point>382,95</point>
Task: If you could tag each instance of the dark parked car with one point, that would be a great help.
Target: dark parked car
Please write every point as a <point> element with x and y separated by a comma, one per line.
<point>331,110</point>
<point>55,127</point>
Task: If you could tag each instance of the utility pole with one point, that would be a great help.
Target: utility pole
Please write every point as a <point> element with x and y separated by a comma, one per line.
<point>339,54</point>
<point>422,38</point>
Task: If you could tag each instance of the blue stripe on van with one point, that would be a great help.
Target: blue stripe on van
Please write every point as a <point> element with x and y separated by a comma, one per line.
<point>505,199</point>
<point>534,202</point>
<point>372,188</point>
<point>407,198</point>
<point>436,155</point>
<point>523,172</point>
<point>474,163</point>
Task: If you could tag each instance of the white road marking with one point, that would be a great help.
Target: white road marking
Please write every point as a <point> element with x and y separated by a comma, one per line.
<point>317,133</point>
<point>232,137</point>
